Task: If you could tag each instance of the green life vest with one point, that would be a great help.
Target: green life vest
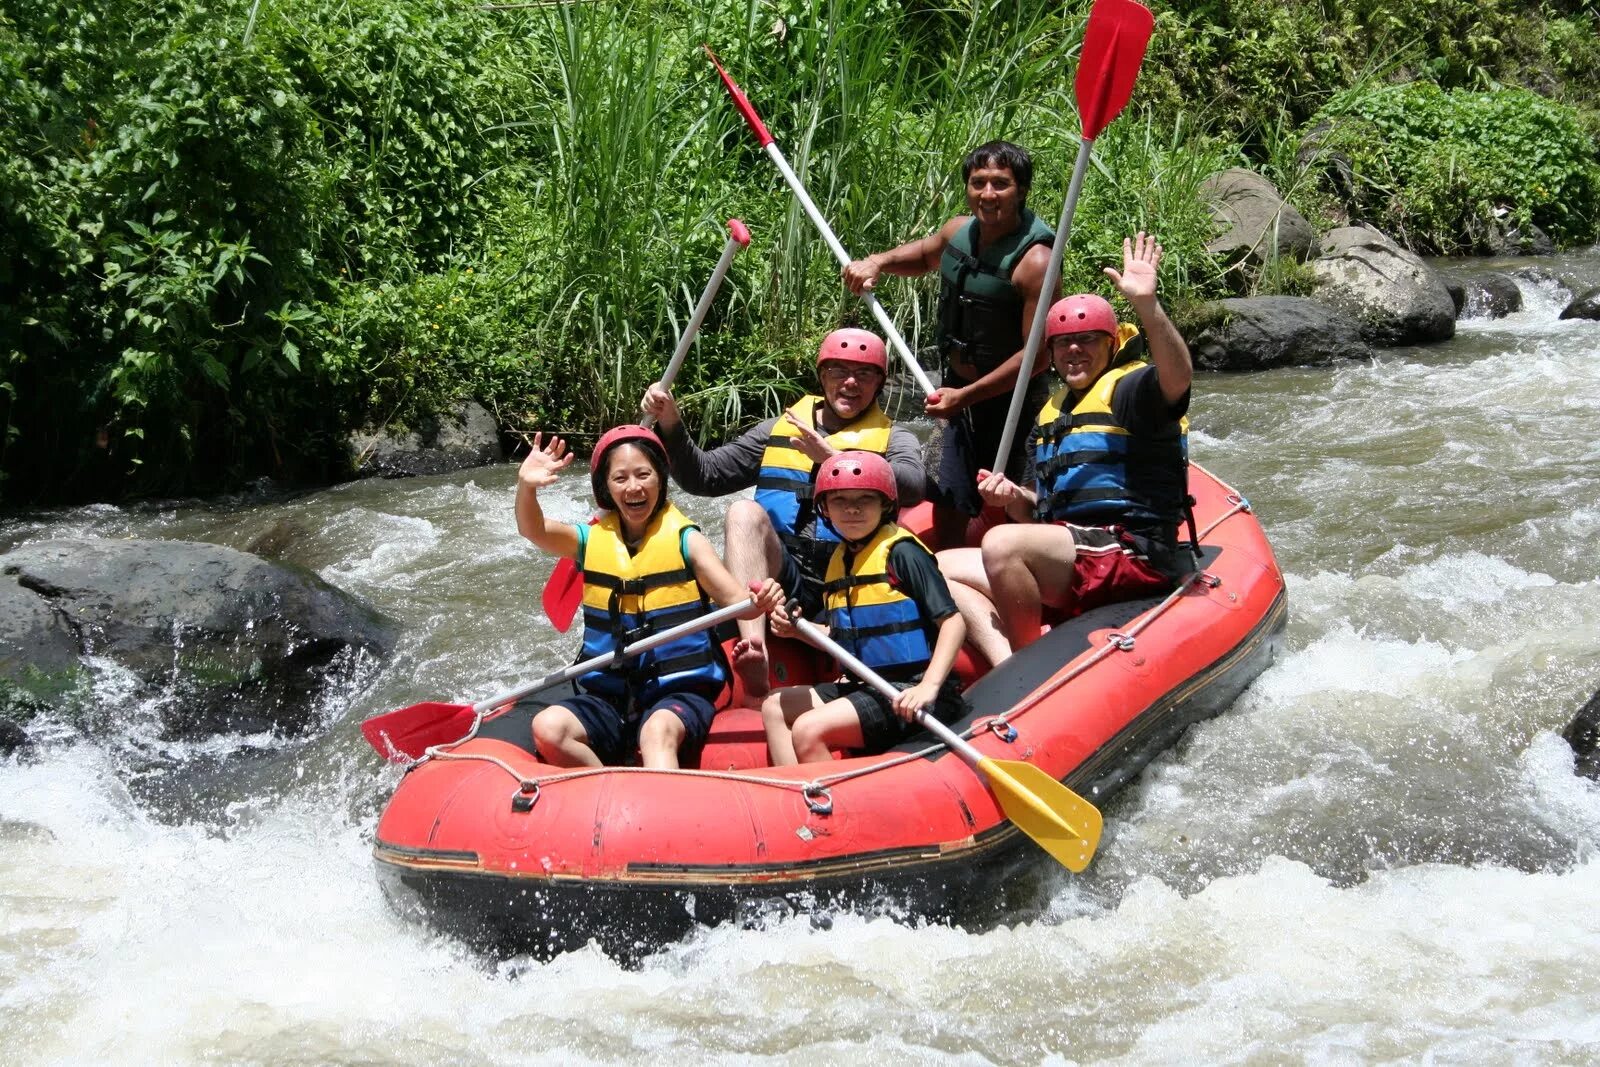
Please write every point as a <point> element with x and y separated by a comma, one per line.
<point>980,311</point>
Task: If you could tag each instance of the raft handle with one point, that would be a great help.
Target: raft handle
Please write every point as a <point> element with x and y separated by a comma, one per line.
<point>1003,730</point>
<point>818,800</point>
<point>526,797</point>
<point>1122,641</point>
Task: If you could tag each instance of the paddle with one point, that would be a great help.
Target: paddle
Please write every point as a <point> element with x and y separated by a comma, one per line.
<point>411,731</point>
<point>564,591</point>
<point>1063,823</point>
<point>774,153</point>
<point>1113,48</point>
<point>738,237</point>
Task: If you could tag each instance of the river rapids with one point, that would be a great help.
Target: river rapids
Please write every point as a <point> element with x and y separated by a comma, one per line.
<point>1380,853</point>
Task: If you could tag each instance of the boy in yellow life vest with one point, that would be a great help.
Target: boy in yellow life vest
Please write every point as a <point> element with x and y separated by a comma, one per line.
<point>885,601</point>
<point>646,568</point>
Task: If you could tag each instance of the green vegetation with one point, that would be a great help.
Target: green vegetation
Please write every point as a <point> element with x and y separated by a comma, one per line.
<point>1430,167</point>
<point>231,230</point>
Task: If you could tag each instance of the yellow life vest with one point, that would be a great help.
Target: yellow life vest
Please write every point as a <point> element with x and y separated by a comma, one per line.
<point>628,596</point>
<point>783,488</point>
<point>874,621</point>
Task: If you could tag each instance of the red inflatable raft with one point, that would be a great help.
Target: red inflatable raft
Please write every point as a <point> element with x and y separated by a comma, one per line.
<point>489,844</point>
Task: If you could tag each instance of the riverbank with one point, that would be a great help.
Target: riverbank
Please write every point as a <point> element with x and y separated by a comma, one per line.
<point>251,229</point>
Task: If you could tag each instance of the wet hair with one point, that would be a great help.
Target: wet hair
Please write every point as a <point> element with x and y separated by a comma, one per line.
<point>1014,158</point>
<point>602,471</point>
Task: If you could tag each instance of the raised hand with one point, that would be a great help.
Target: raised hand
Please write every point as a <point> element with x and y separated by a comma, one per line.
<point>658,403</point>
<point>544,463</point>
<point>811,444</point>
<point>1141,256</point>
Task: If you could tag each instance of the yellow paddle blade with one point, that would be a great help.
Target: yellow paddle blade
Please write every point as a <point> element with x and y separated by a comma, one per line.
<point>1065,825</point>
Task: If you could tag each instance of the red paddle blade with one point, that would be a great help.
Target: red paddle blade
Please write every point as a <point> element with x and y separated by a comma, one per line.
<point>563,593</point>
<point>742,102</point>
<point>410,732</point>
<point>1113,48</point>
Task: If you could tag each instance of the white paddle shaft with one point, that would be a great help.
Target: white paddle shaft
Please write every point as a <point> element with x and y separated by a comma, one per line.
<point>878,313</point>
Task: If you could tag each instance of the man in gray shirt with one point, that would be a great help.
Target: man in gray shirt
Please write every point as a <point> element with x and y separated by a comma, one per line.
<point>779,534</point>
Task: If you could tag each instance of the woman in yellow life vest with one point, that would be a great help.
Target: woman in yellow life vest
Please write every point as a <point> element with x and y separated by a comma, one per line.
<point>646,568</point>
<point>885,601</point>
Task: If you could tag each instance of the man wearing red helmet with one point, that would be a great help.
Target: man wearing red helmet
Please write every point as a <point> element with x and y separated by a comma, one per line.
<point>646,568</point>
<point>779,534</point>
<point>991,265</point>
<point>887,604</point>
<point>1111,456</point>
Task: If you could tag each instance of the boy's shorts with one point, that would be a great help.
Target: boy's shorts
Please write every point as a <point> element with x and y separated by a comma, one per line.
<point>881,728</point>
<point>615,737</point>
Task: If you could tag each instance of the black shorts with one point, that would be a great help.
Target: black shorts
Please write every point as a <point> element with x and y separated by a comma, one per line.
<point>614,736</point>
<point>881,728</point>
<point>971,439</point>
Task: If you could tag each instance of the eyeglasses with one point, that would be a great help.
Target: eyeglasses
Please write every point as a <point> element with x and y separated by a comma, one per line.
<point>838,372</point>
<point>1082,340</point>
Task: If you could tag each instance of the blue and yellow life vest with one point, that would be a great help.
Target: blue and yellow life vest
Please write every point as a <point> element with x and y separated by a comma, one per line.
<point>627,596</point>
<point>875,622</point>
<point>1092,471</point>
<point>783,488</point>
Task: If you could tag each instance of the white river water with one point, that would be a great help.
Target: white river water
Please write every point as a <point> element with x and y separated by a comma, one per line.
<point>1380,853</point>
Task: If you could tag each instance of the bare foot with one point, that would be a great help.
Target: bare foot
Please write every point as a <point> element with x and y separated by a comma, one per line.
<point>750,663</point>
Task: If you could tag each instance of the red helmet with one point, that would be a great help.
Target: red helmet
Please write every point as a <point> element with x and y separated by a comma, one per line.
<point>857,470</point>
<point>1080,314</point>
<point>618,434</point>
<point>853,346</point>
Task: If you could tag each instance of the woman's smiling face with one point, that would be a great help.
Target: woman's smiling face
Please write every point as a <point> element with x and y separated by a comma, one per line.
<point>634,484</point>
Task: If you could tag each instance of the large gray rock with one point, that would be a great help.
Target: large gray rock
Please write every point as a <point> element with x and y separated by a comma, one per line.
<point>1585,305</point>
<point>1583,734</point>
<point>464,437</point>
<point>1396,297</point>
<point>221,640</point>
<point>1253,221</point>
<point>1254,333</point>
<point>1492,295</point>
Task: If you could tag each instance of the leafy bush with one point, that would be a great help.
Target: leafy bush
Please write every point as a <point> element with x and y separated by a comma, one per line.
<point>189,201</point>
<point>1434,168</point>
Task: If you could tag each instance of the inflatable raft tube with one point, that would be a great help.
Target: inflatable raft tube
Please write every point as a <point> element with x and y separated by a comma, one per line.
<point>485,843</point>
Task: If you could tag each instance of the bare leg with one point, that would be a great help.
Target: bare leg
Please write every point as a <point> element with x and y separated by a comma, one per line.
<point>1028,566</point>
<point>561,739</point>
<point>753,554</point>
<point>817,732</point>
<point>660,738</point>
<point>778,713</point>
<point>969,588</point>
